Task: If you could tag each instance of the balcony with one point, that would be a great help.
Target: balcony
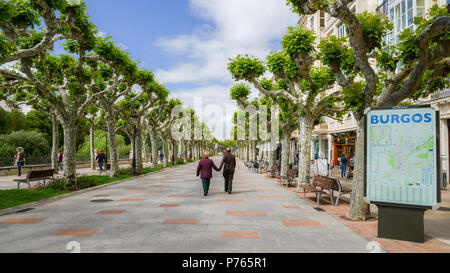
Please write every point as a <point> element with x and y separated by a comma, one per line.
<point>441,95</point>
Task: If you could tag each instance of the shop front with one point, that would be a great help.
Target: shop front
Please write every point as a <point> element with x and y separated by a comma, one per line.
<point>343,144</point>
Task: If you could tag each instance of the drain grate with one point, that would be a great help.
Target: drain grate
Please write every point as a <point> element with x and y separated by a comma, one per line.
<point>25,210</point>
<point>101,200</point>
<point>444,209</point>
<point>319,209</point>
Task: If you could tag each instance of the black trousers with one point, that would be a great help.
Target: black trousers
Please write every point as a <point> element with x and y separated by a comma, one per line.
<point>228,181</point>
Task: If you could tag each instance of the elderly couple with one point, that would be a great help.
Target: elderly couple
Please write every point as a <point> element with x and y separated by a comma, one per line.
<point>205,167</point>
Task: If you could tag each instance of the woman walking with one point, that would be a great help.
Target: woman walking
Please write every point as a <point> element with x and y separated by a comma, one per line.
<point>19,160</point>
<point>205,167</point>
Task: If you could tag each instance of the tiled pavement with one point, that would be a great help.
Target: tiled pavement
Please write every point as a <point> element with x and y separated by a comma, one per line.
<point>437,223</point>
<point>167,212</point>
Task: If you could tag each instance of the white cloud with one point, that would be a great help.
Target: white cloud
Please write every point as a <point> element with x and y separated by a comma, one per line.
<point>237,27</point>
<point>234,27</point>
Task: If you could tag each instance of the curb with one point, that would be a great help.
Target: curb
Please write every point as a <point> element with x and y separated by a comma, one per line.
<point>64,196</point>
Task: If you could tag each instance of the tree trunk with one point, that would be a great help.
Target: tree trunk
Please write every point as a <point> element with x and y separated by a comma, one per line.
<point>153,136</point>
<point>113,153</point>
<point>92,147</point>
<point>184,151</point>
<point>166,152</point>
<point>306,127</point>
<point>70,152</point>
<point>139,163</point>
<point>358,208</point>
<point>285,147</point>
<point>55,144</point>
<point>254,158</point>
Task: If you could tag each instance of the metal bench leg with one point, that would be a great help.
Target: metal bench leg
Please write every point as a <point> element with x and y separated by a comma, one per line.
<point>332,196</point>
<point>29,185</point>
<point>337,199</point>
<point>318,198</point>
<point>18,185</point>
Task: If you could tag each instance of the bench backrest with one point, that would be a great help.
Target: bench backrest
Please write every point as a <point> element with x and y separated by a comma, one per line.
<point>40,174</point>
<point>325,182</point>
<point>292,173</point>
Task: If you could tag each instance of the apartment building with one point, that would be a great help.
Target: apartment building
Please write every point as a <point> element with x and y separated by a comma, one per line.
<point>333,138</point>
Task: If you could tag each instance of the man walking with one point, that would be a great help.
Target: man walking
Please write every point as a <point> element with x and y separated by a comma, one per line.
<point>101,158</point>
<point>205,167</point>
<point>228,170</point>
<point>344,162</point>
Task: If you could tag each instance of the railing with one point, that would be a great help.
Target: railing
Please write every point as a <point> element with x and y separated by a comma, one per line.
<point>44,160</point>
<point>441,95</point>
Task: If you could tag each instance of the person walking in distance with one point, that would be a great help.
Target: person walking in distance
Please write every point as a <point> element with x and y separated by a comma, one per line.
<point>60,160</point>
<point>344,162</point>
<point>19,160</point>
<point>100,158</point>
<point>205,168</point>
<point>228,164</point>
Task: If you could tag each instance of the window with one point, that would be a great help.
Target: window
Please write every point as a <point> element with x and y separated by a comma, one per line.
<point>421,8</point>
<point>341,30</point>
<point>312,22</point>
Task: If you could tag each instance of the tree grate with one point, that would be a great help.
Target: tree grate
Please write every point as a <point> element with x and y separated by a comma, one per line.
<point>25,210</point>
<point>101,200</point>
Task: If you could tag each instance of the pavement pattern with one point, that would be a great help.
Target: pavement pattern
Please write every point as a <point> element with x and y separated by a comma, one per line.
<point>166,212</point>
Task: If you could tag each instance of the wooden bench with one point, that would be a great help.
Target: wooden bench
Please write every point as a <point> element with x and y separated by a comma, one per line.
<point>34,176</point>
<point>275,171</point>
<point>321,183</point>
<point>289,177</point>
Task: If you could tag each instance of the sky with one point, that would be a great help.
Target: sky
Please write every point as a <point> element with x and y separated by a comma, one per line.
<point>187,44</point>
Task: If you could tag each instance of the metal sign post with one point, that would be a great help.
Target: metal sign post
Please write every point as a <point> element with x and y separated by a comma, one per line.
<point>402,168</point>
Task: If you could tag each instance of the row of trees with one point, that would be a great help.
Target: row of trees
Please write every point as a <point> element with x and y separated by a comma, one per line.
<point>86,76</point>
<point>337,77</point>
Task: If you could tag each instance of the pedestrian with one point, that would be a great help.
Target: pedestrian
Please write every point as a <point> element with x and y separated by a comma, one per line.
<point>60,160</point>
<point>344,162</point>
<point>19,160</point>
<point>161,157</point>
<point>100,158</point>
<point>205,168</point>
<point>228,164</point>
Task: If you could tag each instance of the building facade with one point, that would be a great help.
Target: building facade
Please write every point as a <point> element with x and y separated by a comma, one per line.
<point>333,138</point>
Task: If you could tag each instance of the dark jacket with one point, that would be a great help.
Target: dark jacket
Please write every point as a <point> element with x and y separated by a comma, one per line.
<point>344,161</point>
<point>205,167</point>
<point>101,157</point>
<point>229,159</point>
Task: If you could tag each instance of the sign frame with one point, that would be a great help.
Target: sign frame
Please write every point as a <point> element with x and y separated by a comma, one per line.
<point>438,162</point>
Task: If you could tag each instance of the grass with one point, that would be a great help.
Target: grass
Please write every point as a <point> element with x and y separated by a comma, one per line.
<point>12,198</point>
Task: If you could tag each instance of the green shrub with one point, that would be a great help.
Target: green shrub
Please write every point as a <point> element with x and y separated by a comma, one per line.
<point>85,182</point>
<point>180,161</point>
<point>100,144</point>
<point>34,143</point>
<point>57,185</point>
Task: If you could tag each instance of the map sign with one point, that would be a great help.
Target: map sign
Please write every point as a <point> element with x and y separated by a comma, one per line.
<point>402,165</point>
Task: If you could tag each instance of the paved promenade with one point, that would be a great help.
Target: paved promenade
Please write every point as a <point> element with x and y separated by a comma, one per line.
<point>167,212</point>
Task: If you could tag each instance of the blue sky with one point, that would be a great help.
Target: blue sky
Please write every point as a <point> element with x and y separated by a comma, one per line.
<point>187,43</point>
